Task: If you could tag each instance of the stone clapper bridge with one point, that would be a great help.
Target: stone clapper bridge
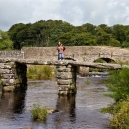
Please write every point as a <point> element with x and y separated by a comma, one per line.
<point>13,73</point>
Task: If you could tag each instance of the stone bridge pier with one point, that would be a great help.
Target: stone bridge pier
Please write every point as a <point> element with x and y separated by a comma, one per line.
<point>66,79</point>
<point>13,77</point>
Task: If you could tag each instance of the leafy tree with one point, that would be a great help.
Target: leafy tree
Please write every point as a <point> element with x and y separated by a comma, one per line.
<point>118,83</point>
<point>5,42</point>
<point>105,28</point>
<point>48,33</point>
<point>90,28</point>
<point>113,42</point>
<point>118,32</point>
<point>15,36</point>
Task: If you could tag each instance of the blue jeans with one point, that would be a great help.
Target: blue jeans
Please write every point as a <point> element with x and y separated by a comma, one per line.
<point>60,56</point>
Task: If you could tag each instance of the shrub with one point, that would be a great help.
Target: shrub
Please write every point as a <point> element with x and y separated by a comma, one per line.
<point>40,72</point>
<point>87,82</point>
<point>5,42</point>
<point>47,72</point>
<point>120,118</point>
<point>39,113</point>
<point>118,84</point>
<point>99,60</point>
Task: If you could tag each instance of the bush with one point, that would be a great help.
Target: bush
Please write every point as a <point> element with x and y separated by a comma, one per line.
<point>120,118</point>
<point>118,84</point>
<point>47,72</point>
<point>39,113</point>
<point>5,42</point>
<point>39,72</point>
<point>99,60</point>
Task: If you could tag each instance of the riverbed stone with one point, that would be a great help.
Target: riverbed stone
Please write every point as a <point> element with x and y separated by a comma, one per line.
<point>51,111</point>
<point>84,70</point>
<point>26,128</point>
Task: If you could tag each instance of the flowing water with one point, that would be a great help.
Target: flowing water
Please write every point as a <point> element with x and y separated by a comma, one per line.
<point>76,112</point>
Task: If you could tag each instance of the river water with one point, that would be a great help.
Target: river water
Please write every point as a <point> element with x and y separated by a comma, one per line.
<point>76,112</point>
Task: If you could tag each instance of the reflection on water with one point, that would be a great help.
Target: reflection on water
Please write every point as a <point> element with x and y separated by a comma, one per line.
<point>75,112</point>
<point>67,105</point>
<point>12,102</point>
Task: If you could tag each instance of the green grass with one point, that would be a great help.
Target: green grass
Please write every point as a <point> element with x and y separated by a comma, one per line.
<point>118,84</point>
<point>38,113</point>
<point>120,118</point>
<point>40,72</point>
<point>99,60</point>
<point>87,82</point>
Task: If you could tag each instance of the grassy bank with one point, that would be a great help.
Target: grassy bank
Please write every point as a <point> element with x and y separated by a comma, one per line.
<point>38,72</point>
<point>118,84</point>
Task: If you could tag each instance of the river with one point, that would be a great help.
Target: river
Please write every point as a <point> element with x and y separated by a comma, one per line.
<point>78,112</point>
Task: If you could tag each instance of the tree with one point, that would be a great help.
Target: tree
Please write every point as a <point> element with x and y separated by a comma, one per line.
<point>118,32</point>
<point>15,36</point>
<point>5,42</point>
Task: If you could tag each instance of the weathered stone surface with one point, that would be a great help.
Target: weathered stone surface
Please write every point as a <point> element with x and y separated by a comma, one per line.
<point>8,76</point>
<point>64,69</point>
<point>13,76</point>
<point>5,82</point>
<point>65,63</point>
<point>84,70</point>
<point>8,81</point>
<point>7,71</point>
<point>9,88</point>
<point>64,82</point>
<point>64,75</point>
<point>63,87</point>
<point>61,92</point>
<point>6,67</point>
<point>80,53</point>
<point>51,111</point>
<point>13,70</point>
<point>26,128</point>
<point>12,54</point>
<point>12,81</point>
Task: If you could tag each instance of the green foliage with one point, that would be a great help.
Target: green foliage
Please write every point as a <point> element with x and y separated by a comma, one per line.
<point>115,43</point>
<point>48,33</point>
<point>5,42</point>
<point>120,112</point>
<point>40,72</point>
<point>47,71</point>
<point>125,44</point>
<point>99,60</point>
<point>120,118</point>
<point>119,32</point>
<point>118,84</point>
<point>87,82</point>
<point>39,113</point>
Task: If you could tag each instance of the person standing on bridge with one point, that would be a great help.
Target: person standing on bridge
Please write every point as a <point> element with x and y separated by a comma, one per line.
<point>60,49</point>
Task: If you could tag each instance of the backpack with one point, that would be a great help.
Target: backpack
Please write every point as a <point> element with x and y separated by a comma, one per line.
<point>64,48</point>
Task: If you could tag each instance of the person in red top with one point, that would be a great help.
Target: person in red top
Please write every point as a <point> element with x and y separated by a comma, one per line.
<point>60,49</point>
